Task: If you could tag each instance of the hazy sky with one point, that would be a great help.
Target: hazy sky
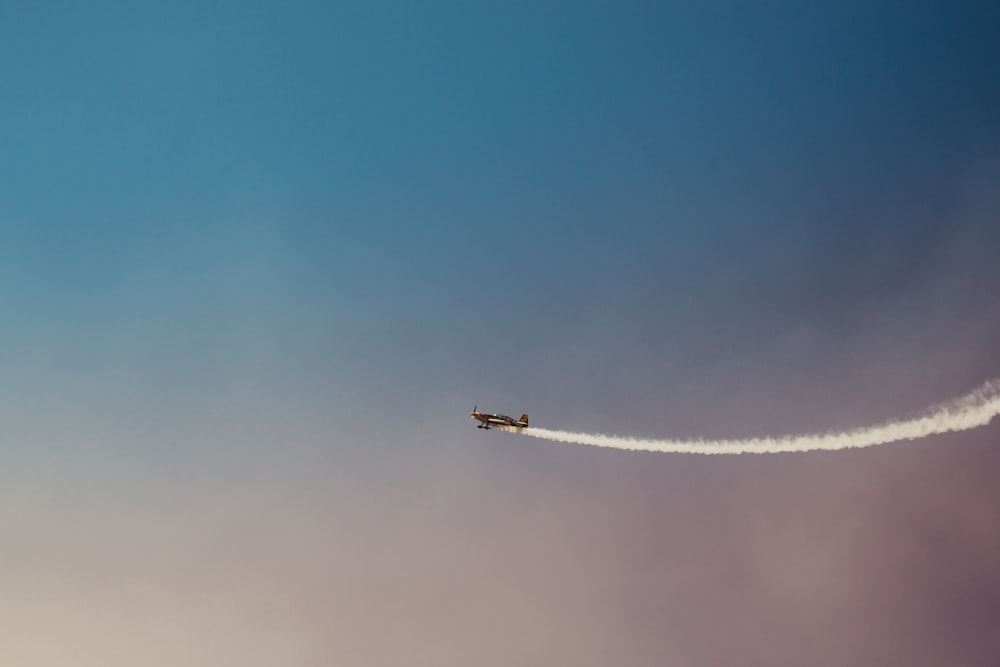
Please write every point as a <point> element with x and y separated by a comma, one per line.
<point>259,260</point>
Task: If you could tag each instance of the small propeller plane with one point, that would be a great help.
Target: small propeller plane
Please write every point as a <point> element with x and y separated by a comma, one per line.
<point>497,420</point>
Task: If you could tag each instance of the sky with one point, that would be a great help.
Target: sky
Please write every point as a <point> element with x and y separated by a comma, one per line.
<point>259,260</point>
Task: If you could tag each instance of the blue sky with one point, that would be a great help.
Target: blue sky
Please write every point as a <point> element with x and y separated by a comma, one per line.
<point>258,260</point>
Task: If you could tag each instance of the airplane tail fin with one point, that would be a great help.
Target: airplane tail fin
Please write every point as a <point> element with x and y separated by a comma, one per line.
<point>524,418</point>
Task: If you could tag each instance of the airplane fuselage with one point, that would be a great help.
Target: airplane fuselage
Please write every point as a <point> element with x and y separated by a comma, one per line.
<point>486,420</point>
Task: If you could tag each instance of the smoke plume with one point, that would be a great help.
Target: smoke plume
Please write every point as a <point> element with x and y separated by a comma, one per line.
<point>974,409</point>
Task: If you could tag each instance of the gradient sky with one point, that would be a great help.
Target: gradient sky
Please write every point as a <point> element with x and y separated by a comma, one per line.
<point>258,260</point>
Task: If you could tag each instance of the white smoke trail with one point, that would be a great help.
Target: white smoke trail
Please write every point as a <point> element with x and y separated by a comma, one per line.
<point>974,409</point>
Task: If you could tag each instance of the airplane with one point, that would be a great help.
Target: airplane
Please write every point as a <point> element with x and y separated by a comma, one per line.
<point>497,420</point>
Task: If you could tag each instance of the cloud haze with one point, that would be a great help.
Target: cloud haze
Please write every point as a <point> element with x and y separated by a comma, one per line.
<point>258,261</point>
